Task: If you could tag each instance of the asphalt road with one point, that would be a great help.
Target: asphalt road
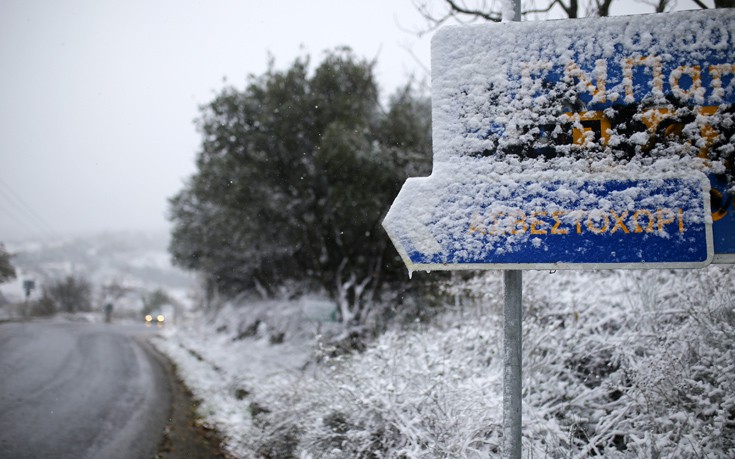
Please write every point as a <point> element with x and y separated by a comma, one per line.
<point>80,391</point>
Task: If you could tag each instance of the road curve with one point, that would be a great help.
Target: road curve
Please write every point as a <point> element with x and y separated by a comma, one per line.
<point>79,390</point>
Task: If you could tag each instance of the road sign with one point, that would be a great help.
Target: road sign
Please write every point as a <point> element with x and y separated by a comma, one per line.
<point>536,223</point>
<point>605,142</point>
<point>28,286</point>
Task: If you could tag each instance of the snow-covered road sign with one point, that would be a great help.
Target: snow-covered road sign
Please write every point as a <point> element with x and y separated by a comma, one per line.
<point>606,142</point>
<point>540,223</point>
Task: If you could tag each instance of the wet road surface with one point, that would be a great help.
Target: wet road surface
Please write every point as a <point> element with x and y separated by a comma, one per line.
<point>80,390</point>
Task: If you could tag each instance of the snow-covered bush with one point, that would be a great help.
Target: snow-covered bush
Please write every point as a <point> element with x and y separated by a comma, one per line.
<point>616,364</point>
<point>409,395</point>
<point>635,364</point>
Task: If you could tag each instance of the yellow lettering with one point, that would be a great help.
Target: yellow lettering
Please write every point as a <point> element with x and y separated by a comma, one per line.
<point>716,72</point>
<point>520,220</point>
<point>591,222</point>
<point>694,90</point>
<point>590,127</point>
<point>654,63</point>
<point>619,222</point>
<point>708,134</point>
<point>494,230</point>
<point>597,221</point>
<point>535,223</point>
<point>649,215</point>
<point>599,93</point>
<point>665,216</point>
<point>476,225</point>
<point>653,116</point>
<point>555,229</point>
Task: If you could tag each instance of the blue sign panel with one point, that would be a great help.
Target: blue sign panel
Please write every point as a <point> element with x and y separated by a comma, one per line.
<point>663,85</point>
<point>723,216</point>
<point>628,224</point>
<point>591,126</point>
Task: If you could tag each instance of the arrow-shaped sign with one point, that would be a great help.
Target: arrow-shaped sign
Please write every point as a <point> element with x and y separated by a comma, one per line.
<point>541,223</point>
<point>573,144</point>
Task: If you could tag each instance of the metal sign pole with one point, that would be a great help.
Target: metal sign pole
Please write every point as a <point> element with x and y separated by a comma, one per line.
<point>517,10</point>
<point>512,360</point>
<point>513,347</point>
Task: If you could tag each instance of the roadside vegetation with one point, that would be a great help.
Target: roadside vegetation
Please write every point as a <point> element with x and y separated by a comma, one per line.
<point>295,174</point>
<point>618,364</point>
<point>316,344</point>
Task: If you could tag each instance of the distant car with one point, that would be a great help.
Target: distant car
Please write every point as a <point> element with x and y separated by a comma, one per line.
<point>155,317</point>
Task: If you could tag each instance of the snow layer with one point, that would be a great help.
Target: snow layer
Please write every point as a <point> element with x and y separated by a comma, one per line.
<point>491,83</point>
<point>532,118</point>
<point>616,364</point>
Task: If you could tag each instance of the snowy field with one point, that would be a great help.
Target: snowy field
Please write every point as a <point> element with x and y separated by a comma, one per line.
<point>621,364</point>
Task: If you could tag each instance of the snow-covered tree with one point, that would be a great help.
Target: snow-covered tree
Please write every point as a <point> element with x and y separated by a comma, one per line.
<point>294,176</point>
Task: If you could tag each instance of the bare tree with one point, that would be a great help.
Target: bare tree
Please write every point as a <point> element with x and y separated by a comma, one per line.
<point>466,11</point>
<point>114,290</point>
<point>71,294</point>
<point>659,6</point>
<point>492,10</point>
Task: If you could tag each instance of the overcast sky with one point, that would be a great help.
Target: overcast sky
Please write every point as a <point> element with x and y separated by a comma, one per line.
<point>98,98</point>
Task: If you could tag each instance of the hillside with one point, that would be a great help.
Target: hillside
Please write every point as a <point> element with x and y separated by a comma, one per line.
<point>121,267</point>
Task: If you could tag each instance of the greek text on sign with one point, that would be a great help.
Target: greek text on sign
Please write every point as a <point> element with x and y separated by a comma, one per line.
<point>605,142</point>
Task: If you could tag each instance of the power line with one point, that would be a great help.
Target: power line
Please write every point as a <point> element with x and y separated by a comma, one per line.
<point>12,214</point>
<point>32,219</point>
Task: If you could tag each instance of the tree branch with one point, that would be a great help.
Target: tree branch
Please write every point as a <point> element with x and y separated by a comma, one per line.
<point>603,7</point>
<point>544,10</point>
<point>494,17</point>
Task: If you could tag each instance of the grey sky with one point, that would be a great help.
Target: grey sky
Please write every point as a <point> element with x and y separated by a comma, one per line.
<point>97,98</point>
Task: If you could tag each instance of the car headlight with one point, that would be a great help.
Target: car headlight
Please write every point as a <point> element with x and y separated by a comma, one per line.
<point>148,318</point>
<point>160,318</point>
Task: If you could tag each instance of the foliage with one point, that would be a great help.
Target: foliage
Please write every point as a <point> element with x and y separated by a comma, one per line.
<point>649,359</point>
<point>70,294</point>
<point>293,178</point>
<point>114,290</point>
<point>492,10</point>
<point>616,364</point>
<point>7,272</point>
<point>45,306</point>
<point>154,300</point>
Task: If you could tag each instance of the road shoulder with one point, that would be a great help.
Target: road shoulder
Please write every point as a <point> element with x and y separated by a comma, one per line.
<point>184,437</point>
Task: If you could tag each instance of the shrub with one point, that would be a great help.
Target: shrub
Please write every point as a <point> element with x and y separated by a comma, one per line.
<point>616,364</point>
<point>70,294</point>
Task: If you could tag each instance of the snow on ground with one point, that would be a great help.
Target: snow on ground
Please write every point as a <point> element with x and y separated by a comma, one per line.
<point>616,363</point>
<point>224,357</point>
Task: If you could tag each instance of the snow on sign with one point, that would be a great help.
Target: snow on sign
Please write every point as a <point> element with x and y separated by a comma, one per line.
<point>606,142</point>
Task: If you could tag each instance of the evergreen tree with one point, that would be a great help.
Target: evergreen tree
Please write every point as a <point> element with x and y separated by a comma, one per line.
<point>293,179</point>
<point>7,272</point>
